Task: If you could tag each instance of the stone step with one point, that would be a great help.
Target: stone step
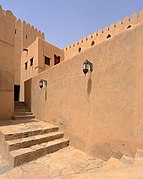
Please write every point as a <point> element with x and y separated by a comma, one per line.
<point>22,113</point>
<point>32,140</point>
<point>22,110</point>
<point>21,117</point>
<point>21,156</point>
<point>29,132</point>
<point>18,103</point>
<point>21,107</point>
<point>127,159</point>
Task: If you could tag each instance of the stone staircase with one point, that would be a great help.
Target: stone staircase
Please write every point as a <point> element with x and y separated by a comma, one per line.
<point>21,111</point>
<point>25,138</point>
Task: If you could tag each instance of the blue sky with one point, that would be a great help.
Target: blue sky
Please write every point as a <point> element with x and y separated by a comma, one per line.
<point>67,21</point>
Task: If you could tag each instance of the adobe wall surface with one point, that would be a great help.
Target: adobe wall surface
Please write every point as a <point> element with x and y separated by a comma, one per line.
<point>101,109</point>
<point>31,71</point>
<point>37,50</point>
<point>24,36</point>
<point>32,52</point>
<point>102,35</point>
<point>6,64</point>
<point>27,93</point>
<point>46,49</point>
<point>17,51</point>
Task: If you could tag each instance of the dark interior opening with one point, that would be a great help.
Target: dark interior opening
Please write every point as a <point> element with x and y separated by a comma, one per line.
<point>56,59</point>
<point>79,50</point>
<point>108,36</point>
<point>129,26</point>
<point>47,60</point>
<point>92,43</point>
<point>16,92</point>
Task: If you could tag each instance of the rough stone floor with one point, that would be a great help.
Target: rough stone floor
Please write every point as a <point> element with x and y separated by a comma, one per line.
<point>4,165</point>
<point>71,163</point>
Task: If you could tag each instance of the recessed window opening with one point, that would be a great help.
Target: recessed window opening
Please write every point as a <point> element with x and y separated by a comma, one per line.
<point>129,26</point>
<point>26,36</point>
<point>31,62</point>
<point>92,43</point>
<point>25,65</point>
<point>108,36</point>
<point>79,50</point>
<point>56,59</point>
<point>15,31</point>
<point>47,60</point>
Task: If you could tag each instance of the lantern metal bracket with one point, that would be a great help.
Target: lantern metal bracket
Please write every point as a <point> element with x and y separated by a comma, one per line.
<point>87,63</point>
<point>41,83</point>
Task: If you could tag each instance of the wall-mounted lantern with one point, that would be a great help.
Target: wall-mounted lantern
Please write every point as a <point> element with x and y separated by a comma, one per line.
<point>86,65</point>
<point>41,83</point>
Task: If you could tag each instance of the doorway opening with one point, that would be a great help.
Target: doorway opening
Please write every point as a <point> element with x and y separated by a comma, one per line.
<point>16,92</point>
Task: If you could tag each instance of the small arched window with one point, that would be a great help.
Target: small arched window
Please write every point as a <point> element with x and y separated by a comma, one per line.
<point>79,50</point>
<point>129,26</point>
<point>108,36</point>
<point>92,43</point>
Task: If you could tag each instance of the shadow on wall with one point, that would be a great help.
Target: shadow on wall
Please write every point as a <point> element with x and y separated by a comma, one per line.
<point>46,93</point>
<point>89,86</point>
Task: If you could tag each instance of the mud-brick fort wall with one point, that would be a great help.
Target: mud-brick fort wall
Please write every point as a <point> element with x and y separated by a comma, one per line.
<point>7,26</point>
<point>103,109</point>
<point>24,36</point>
<point>102,35</point>
<point>38,51</point>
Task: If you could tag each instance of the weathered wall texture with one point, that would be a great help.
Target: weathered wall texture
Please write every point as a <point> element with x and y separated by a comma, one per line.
<point>6,64</point>
<point>102,108</point>
<point>102,35</point>
<point>37,50</point>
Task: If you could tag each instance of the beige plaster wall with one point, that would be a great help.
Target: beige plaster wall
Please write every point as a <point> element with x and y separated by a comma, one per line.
<point>25,34</point>
<point>27,93</point>
<point>101,109</point>
<point>6,64</point>
<point>48,50</point>
<point>37,50</point>
<point>31,71</point>
<point>17,51</point>
<point>32,52</point>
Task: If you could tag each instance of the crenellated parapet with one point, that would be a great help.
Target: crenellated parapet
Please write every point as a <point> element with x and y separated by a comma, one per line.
<point>23,35</point>
<point>7,26</point>
<point>27,33</point>
<point>24,32</point>
<point>7,13</point>
<point>30,29</point>
<point>102,35</point>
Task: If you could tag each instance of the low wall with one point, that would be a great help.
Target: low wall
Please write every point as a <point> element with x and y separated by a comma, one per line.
<point>104,109</point>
